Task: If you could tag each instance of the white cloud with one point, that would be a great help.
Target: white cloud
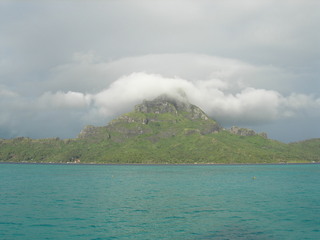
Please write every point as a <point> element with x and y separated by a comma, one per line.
<point>132,89</point>
<point>230,100</point>
<point>61,100</point>
<point>297,101</point>
<point>247,106</point>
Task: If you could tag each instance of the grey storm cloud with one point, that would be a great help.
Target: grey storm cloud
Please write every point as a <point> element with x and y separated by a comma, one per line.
<point>66,64</point>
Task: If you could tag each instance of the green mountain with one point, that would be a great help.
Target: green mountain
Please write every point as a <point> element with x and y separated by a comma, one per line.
<point>163,131</point>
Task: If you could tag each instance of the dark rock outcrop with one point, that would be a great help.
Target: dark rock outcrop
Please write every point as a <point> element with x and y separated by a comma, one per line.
<point>167,104</point>
<point>246,132</point>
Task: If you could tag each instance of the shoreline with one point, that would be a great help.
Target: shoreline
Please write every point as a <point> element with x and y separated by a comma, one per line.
<point>156,164</point>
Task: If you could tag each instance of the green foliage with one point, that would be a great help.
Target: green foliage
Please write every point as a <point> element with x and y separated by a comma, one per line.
<point>166,138</point>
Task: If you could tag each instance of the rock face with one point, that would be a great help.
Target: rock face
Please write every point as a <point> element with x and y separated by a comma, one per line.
<point>167,104</point>
<point>162,117</point>
<point>94,132</point>
<point>87,131</point>
<point>246,132</point>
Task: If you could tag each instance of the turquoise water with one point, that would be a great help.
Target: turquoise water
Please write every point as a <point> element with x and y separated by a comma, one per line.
<point>159,202</point>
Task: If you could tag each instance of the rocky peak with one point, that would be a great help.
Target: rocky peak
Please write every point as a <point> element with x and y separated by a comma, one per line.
<point>167,104</point>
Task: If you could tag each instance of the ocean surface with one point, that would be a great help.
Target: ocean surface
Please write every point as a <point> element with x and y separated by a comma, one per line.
<point>159,201</point>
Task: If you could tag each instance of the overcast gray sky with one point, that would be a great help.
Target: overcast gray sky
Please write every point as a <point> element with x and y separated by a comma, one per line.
<point>67,64</point>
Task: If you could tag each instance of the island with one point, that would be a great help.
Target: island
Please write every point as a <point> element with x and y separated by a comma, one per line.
<point>165,130</point>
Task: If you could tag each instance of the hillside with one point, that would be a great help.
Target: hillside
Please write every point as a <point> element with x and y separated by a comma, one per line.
<point>164,130</point>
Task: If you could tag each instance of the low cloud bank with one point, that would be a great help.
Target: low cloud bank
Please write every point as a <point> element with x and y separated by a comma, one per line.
<point>247,106</point>
<point>224,88</point>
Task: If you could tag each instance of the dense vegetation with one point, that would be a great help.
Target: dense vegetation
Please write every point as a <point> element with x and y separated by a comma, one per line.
<point>160,131</point>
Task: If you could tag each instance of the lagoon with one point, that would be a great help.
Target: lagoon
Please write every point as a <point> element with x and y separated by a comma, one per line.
<point>43,201</point>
